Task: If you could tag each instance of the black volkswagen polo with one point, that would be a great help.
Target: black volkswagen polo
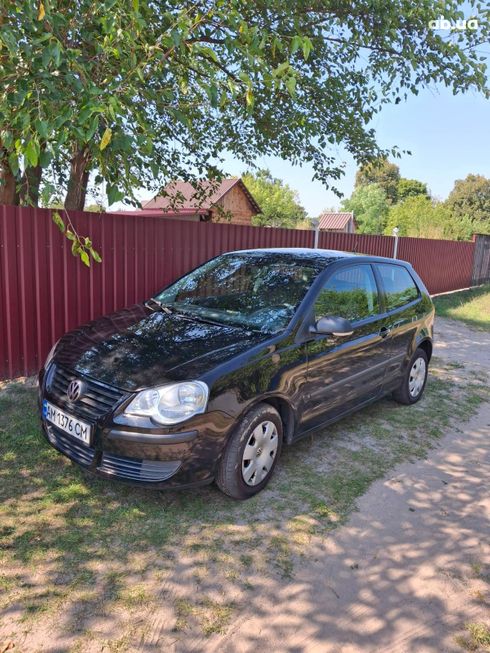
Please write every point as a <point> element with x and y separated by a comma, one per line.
<point>249,352</point>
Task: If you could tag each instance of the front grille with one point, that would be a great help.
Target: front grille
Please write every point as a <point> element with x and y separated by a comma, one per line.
<point>149,471</point>
<point>77,451</point>
<point>97,399</point>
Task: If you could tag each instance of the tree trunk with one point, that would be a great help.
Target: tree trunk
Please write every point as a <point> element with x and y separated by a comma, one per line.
<point>77,184</point>
<point>29,189</point>
<point>8,186</point>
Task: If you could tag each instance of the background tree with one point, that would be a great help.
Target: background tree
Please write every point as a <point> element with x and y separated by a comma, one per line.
<point>279,202</point>
<point>383,173</point>
<point>141,92</point>
<point>470,200</point>
<point>95,208</point>
<point>370,206</point>
<point>410,188</point>
<point>419,217</point>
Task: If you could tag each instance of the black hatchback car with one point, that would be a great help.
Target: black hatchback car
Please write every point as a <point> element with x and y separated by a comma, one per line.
<point>252,350</point>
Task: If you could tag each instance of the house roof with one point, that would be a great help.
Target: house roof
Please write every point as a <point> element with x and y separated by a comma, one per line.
<point>156,213</point>
<point>335,220</point>
<point>194,203</point>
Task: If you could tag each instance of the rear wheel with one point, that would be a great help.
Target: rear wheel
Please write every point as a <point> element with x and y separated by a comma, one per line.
<point>413,385</point>
<point>251,453</point>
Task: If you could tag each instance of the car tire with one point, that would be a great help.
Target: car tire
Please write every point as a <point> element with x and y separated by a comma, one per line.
<point>251,453</point>
<point>414,380</point>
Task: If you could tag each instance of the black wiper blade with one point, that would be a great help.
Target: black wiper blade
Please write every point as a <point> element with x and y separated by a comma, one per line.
<point>163,307</point>
<point>198,318</point>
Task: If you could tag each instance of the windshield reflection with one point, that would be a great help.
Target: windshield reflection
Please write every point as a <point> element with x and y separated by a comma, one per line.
<point>257,291</point>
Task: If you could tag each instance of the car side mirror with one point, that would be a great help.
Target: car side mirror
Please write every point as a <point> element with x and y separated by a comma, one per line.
<point>331,325</point>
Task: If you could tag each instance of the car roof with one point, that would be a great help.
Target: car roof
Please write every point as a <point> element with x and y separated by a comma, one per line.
<point>329,255</point>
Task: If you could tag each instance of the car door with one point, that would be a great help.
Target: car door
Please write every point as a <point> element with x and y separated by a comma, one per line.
<point>402,300</point>
<point>345,371</point>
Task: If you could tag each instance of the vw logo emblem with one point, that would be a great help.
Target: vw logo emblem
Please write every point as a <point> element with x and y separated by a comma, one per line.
<point>74,391</point>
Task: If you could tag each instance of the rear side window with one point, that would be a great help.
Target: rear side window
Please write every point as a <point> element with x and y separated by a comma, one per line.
<point>400,288</point>
<point>350,293</point>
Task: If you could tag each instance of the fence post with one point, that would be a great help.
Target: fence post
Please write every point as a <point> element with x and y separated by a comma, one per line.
<point>315,223</point>
<point>481,260</point>
<point>395,246</point>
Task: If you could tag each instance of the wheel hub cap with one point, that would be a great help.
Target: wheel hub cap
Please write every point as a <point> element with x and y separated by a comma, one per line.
<point>259,453</point>
<point>417,377</point>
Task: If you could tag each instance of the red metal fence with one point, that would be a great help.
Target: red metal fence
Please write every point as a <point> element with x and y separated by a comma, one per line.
<point>45,291</point>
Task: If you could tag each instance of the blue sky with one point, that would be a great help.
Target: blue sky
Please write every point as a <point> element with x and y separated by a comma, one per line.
<point>448,136</point>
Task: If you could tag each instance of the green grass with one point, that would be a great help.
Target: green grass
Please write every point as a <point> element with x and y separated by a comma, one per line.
<point>75,546</point>
<point>477,638</point>
<point>470,306</point>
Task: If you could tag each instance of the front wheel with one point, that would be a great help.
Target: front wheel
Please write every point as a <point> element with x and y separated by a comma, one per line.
<point>414,381</point>
<point>251,453</point>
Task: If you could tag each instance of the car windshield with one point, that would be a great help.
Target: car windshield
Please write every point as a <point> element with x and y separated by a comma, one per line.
<point>257,291</point>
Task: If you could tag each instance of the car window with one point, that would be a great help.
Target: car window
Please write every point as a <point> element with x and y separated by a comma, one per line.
<point>253,290</point>
<point>350,293</point>
<point>399,287</point>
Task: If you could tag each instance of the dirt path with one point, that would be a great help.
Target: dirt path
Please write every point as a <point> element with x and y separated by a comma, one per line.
<point>405,574</point>
<point>412,566</point>
<point>456,342</point>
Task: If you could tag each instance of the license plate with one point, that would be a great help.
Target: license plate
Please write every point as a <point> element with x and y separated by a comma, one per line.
<point>74,427</point>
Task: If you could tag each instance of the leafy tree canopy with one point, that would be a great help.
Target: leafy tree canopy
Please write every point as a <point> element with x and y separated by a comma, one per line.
<point>470,199</point>
<point>370,206</point>
<point>410,188</point>
<point>279,202</point>
<point>383,173</point>
<point>419,217</point>
<point>144,91</point>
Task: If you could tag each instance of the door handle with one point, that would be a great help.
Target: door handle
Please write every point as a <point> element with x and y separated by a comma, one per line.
<point>384,332</point>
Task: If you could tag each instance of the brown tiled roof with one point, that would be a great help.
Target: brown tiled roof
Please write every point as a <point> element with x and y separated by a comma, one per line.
<point>191,202</point>
<point>335,220</point>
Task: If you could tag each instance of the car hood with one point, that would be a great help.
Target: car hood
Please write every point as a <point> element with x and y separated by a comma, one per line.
<point>137,348</point>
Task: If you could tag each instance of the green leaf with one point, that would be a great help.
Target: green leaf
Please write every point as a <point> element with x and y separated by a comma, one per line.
<point>307,47</point>
<point>45,158</point>
<point>249,97</point>
<point>212,93</point>
<point>209,53</point>
<point>14,163</point>
<point>95,255</point>
<point>85,258</point>
<point>136,5</point>
<point>89,134</point>
<point>281,69</point>
<point>106,139</point>
<point>295,43</point>
<point>41,128</point>
<point>56,52</point>
<point>32,152</point>
<point>113,194</point>
<point>291,85</point>
<point>70,235</point>
<point>58,220</point>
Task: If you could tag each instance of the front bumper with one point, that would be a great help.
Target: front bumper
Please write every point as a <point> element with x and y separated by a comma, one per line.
<point>155,458</point>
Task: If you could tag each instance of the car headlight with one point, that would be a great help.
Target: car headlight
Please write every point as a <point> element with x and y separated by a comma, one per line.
<point>49,357</point>
<point>170,404</point>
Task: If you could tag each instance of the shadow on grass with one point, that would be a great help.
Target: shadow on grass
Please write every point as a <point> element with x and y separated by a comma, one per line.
<point>86,538</point>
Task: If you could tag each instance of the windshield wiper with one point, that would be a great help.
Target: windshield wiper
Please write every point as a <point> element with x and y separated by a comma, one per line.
<point>163,307</point>
<point>198,318</point>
